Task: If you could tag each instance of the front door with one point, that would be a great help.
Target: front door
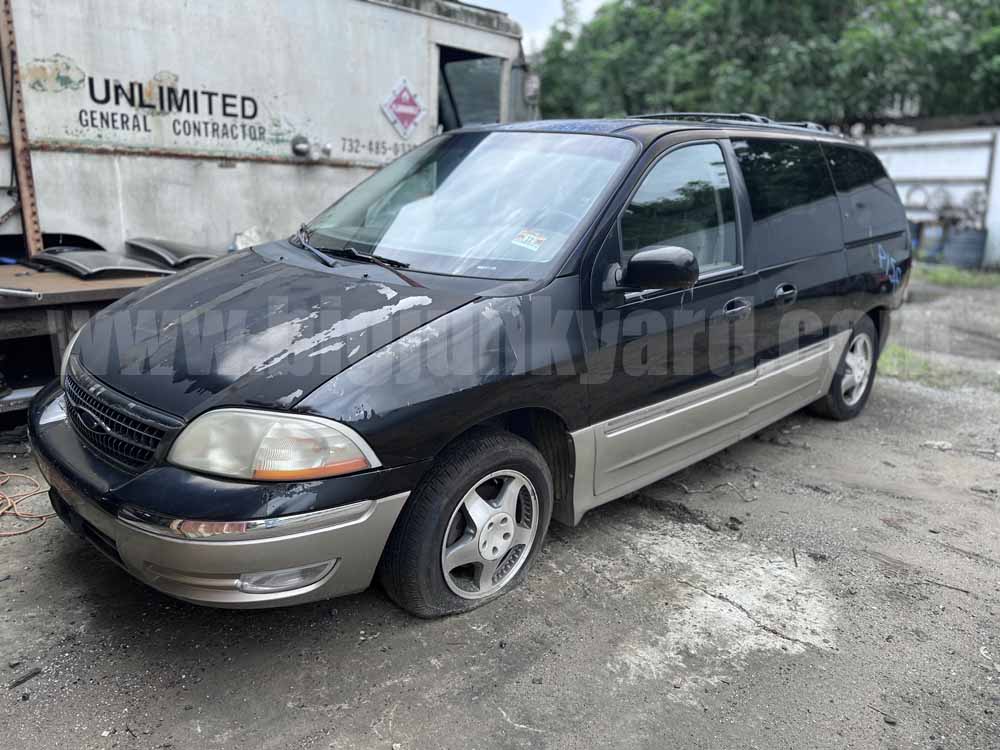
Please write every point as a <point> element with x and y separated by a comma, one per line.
<point>669,369</point>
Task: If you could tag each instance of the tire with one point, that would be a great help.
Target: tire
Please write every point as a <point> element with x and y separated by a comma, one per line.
<point>454,503</point>
<point>842,402</point>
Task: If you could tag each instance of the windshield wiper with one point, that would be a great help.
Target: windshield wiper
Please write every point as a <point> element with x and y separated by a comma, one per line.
<point>389,264</point>
<point>355,254</point>
<point>302,235</point>
<point>325,254</point>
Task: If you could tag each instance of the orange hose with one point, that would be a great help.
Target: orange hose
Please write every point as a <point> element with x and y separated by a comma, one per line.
<point>8,504</point>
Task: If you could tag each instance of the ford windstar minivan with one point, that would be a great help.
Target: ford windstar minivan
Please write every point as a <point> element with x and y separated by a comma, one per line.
<point>508,325</point>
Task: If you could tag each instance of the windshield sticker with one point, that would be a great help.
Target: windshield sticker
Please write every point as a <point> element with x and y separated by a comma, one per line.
<point>530,239</point>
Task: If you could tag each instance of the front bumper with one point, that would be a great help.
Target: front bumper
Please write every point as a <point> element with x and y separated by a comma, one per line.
<point>350,537</point>
<point>208,572</point>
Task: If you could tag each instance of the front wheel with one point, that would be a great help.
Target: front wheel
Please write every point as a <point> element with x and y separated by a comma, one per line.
<point>472,527</point>
<point>855,375</point>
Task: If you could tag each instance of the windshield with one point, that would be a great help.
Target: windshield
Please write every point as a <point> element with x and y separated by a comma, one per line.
<point>498,205</point>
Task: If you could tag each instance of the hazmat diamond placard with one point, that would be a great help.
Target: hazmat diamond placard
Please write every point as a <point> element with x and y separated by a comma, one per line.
<point>404,109</point>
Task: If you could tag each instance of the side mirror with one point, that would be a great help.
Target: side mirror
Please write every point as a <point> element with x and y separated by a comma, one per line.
<point>661,268</point>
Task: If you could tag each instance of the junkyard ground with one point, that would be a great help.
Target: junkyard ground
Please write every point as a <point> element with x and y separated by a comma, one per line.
<point>819,585</point>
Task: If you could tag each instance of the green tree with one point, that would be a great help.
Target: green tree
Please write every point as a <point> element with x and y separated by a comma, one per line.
<point>557,60</point>
<point>842,61</point>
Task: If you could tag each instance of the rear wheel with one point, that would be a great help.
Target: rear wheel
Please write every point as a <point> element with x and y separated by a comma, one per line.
<point>471,529</point>
<point>852,382</point>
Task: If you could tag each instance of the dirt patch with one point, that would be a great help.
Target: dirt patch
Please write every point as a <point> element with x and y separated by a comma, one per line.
<point>734,600</point>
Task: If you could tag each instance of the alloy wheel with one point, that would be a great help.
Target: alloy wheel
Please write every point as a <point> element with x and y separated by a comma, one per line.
<point>490,534</point>
<point>858,368</point>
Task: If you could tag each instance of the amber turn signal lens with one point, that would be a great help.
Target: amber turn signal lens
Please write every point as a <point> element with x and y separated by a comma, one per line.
<point>329,470</point>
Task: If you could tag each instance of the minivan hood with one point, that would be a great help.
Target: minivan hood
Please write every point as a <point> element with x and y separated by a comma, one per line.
<point>254,328</point>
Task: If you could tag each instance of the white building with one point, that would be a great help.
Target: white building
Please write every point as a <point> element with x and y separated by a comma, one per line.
<point>953,172</point>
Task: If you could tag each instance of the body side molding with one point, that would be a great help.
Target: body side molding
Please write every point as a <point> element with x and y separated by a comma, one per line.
<point>622,454</point>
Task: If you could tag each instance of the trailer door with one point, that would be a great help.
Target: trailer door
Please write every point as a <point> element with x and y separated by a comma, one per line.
<point>470,88</point>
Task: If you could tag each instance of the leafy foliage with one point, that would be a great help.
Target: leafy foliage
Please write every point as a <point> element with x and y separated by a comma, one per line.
<point>833,61</point>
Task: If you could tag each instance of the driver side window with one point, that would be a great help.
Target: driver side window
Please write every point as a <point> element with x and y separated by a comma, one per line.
<point>685,200</point>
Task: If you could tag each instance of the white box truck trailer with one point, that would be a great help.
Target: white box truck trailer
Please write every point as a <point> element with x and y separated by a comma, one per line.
<point>197,122</point>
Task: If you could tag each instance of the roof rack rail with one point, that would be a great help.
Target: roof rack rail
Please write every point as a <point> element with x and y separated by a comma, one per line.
<point>733,116</point>
<point>807,124</point>
<point>760,119</point>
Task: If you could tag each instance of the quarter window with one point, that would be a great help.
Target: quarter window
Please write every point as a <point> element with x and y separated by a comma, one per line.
<point>853,168</point>
<point>868,199</point>
<point>685,200</point>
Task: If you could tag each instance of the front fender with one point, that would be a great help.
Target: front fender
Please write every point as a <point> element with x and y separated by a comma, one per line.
<point>413,396</point>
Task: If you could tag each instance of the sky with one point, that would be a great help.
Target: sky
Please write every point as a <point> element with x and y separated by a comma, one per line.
<point>536,16</point>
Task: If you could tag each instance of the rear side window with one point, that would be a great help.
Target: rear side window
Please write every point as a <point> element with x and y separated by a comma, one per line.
<point>782,174</point>
<point>792,199</point>
<point>852,167</point>
<point>685,200</point>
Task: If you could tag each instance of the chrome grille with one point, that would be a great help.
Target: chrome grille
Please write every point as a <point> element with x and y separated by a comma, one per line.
<point>111,431</point>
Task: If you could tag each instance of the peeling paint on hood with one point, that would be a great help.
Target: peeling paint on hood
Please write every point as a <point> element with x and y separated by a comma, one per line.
<point>250,329</point>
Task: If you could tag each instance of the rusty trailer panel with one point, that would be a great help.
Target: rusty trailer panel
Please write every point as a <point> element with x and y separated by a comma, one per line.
<point>25,202</point>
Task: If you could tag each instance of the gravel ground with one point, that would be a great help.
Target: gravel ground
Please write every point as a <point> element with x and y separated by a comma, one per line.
<point>818,585</point>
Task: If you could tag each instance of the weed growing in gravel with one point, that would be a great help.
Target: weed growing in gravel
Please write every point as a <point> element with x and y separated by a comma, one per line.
<point>899,362</point>
<point>956,277</point>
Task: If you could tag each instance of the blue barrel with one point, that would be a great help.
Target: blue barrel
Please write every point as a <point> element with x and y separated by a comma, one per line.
<point>965,248</point>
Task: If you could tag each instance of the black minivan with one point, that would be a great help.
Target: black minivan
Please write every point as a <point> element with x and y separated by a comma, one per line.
<point>507,325</point>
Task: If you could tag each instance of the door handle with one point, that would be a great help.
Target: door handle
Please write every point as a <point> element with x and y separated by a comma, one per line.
<point>785,294</point>
<point>737,309</point>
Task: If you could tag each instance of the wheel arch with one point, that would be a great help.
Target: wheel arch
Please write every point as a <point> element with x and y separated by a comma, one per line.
<point>547,431</point>
<point>880,316</point>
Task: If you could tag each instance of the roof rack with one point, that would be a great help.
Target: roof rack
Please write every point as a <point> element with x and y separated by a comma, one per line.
<point>760,119</point>
<point>807,124</point>
<point>731,116</point>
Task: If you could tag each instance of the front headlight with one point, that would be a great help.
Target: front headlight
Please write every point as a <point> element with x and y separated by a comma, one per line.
<point>269,447</point>
<point>66,353</point>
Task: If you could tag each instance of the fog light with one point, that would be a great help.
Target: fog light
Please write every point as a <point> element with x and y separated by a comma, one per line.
<point>272,581</point>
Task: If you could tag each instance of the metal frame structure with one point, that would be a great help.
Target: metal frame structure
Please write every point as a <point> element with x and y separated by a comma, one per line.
<point>14,101</point>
